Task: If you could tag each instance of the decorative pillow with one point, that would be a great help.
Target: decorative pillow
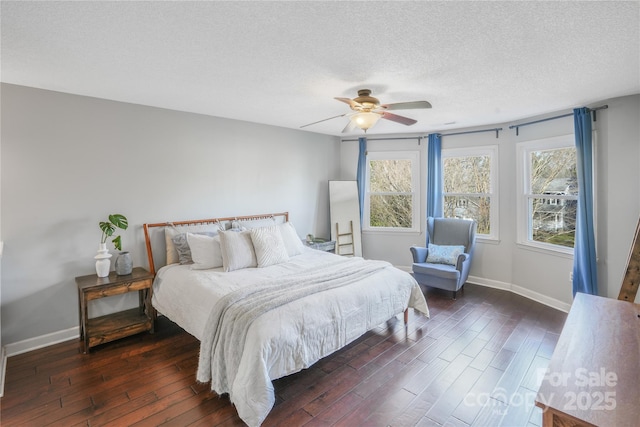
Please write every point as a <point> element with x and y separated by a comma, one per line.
<point>444,254</point>
<point>291,240</point>
<point>205,251</point>
<point>182,246</point>
<point>269,246</point>
<point>253,223</point>
<point>237,250</point>
<point>173,230</point>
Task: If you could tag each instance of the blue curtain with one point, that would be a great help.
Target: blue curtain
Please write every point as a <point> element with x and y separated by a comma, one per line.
<point>434,175</point>
<point>585,272</point>
<point>361,173</point>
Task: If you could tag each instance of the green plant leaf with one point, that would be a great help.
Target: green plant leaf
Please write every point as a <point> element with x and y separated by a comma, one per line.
<point>107,228</point>
<point>117,242</point>
<point>119,221</point>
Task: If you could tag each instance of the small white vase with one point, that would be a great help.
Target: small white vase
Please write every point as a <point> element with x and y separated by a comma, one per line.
<point>103,262</point>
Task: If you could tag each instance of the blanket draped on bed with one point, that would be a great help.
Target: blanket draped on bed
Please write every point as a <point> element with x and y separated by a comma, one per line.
<point>225,331</point>
<point>227,357</point>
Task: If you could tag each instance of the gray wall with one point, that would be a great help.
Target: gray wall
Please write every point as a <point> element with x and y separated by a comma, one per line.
<point>69,161</point>
<point>505,264</point>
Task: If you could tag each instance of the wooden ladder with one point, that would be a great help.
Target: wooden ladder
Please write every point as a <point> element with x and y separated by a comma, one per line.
<point>631,279</point>
<point>344,241</point>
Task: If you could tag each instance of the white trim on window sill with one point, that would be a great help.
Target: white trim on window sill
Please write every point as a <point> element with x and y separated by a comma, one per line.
<point>568,253</point>
<point>390,231</point>
<point>489,240</point>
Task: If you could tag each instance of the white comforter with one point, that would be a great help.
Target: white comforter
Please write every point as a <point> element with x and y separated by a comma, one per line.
<point>287,338</point>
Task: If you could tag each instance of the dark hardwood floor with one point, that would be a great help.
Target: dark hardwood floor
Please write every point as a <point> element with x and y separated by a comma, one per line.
<point>475,362</point>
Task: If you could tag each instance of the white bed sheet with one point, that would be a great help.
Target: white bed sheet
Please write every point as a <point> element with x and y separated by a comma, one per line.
<point>293,337</point>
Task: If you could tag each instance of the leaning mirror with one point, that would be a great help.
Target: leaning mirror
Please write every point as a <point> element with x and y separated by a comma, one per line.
<point>345,217</point>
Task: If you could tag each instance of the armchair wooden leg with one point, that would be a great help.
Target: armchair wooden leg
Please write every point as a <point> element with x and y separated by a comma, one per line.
<point>455,294</point>
<point>406,316</point>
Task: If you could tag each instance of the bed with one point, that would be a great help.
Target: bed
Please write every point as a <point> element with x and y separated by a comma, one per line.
<point>262,304</point>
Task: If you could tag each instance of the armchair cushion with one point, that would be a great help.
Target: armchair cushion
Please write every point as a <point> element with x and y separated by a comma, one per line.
<point>442,271</point>
<point>444,254</point>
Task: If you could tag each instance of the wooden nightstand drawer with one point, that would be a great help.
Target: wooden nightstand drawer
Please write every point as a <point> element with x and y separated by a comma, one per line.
<point>117,289</point>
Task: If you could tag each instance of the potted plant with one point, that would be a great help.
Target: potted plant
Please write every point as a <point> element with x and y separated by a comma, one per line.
<point>109,227</point>
<point>103,263</point>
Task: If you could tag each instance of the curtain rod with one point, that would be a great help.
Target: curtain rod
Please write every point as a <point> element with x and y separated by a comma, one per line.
<point>386,139</point>
<point>419,138</point>
<point>496,130</point>
<point>593,111</point>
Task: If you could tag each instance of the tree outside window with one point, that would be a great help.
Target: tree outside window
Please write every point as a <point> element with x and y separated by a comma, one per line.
<point>553,196</point>
<point>548,195</point>
<point>469,175</point>
<point>393,183</point>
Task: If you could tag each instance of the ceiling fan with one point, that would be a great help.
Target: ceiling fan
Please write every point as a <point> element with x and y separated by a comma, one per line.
<point>367,110</point>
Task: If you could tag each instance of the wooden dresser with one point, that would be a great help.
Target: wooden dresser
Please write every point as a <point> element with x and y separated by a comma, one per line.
<point>593,377</point>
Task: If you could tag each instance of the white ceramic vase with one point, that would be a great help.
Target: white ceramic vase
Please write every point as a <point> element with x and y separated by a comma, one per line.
<point>103,261</point>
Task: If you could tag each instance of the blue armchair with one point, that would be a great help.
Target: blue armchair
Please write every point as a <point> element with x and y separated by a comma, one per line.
<point>447,265</point>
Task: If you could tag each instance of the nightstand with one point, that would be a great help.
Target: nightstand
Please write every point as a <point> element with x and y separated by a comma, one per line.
<point>113,326</point>
<point>322,246</point>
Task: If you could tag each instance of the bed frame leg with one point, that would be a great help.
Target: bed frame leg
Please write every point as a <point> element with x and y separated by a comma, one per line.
<point>406,316</point>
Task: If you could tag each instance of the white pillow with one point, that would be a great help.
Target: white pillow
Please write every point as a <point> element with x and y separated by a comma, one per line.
<point>237,250</point>
<point>173,230</point>
<point>291,240</point>
<point>205,251</point>
<point>253,223</point>
<point>444,254</point>
<point>269,246</point>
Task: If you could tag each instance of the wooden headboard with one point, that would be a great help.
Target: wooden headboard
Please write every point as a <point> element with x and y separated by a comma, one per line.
<point>155,240</point>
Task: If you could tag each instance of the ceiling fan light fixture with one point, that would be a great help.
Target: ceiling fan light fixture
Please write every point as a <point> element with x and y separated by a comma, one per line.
<point>365,120</point>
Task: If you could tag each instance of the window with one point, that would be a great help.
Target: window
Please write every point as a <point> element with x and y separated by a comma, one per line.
<point>548,193</point>
<point>392,191</point>
<point>470,177</point>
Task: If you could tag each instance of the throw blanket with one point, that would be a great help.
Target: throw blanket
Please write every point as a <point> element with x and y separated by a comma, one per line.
<point>224,336</point>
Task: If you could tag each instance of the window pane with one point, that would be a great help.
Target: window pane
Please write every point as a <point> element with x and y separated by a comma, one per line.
<point>467,174</point>
<point>467,188</point>
<point>390,211</point>
<point>554,171</point>
<point>553,221</point>
<point>390,176</point>
<point>469,207</point>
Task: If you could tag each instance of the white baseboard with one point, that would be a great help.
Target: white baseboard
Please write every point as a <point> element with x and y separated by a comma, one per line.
<point>532,295</point>
<point>41,341</point>
<point>527,293</point>
<point>3,369</point>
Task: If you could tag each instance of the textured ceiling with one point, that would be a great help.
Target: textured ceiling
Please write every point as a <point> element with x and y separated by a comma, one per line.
<point>281,63</point>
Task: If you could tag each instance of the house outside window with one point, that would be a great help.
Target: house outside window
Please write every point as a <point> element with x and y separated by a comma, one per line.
<point>547,193</point>
<point>392,191</point>
<point>470,176</point>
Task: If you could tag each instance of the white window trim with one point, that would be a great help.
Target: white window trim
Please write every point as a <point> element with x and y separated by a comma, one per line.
<point>492,151</point>
<point>523,173</point>
<point>414,157</point>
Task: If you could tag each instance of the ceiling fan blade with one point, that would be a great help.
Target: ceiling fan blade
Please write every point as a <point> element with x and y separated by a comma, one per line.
<point>399,119</point>
<point>353,104</point>
<point>350,127</point>
<point>406,105</point>
<point>323,120</point>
